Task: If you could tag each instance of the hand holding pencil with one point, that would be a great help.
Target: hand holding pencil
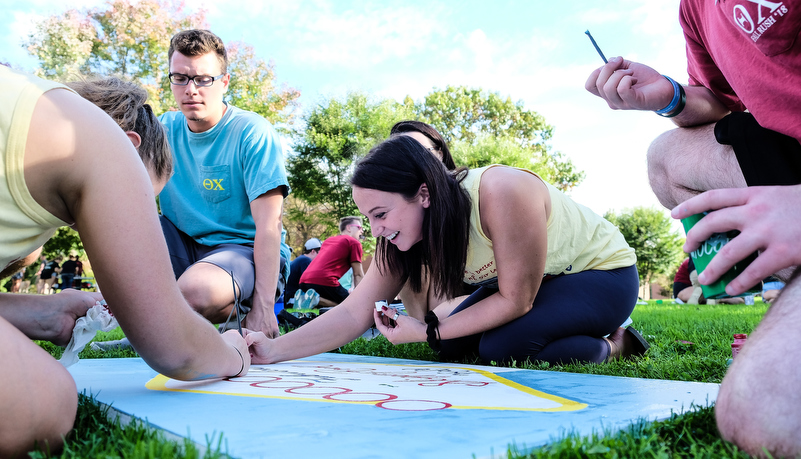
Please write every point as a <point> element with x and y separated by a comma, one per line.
<point>627,85</point>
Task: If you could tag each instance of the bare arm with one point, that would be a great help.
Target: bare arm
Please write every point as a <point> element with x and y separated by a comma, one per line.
<point>627,85</point>
<point>76,160</point>
<point>358,273</point>
<point>331,330</point>
<point>514,209</point>
<point>267,210</point>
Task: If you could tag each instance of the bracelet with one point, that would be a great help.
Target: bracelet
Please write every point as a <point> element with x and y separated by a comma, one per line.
<point>676,104</point>
<point>432,331</point>
<point>243,362</point>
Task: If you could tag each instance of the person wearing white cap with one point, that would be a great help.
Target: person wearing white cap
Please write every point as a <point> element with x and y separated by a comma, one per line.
<point>310,250</point>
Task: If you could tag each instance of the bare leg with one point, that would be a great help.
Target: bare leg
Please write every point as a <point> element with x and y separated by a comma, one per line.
<point>39,398</point>
<point>208,289</point>
<point>759,400</point>
<point>685,294</point>
<point>684,162</point>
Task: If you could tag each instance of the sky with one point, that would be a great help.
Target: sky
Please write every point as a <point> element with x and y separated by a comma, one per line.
<point>533,51</point>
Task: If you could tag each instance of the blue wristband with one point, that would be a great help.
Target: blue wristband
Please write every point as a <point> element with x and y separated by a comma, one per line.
<point>676,97</point>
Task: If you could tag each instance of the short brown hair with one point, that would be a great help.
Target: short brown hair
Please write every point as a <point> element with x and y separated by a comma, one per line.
<point>125,102</point>
<point>197,42</point>
<point>345,221</point>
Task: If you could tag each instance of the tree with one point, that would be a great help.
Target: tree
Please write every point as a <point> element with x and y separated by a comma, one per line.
<point>485,150</point>
<point>335,135</point>
<point>467,116</point>
<point>649,232</point>
<point>253,86</point>
<point>131,39</point>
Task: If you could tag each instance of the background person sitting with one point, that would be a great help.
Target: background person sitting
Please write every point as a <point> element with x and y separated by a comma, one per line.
<point>337,255</point>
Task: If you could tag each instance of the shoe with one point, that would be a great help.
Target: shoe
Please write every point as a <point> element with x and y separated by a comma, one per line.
<point>104,346</point>
<point>298,299</point>
<point>636,345</point>
<point>310,299</point>
<point>626,343</point>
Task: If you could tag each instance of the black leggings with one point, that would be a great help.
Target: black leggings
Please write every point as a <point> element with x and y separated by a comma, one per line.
<point>570,316</point>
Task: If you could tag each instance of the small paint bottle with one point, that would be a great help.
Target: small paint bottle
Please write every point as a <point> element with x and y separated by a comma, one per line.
<point>739,341</point>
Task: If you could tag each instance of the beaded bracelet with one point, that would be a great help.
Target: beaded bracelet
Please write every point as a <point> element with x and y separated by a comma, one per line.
<point>432,331</point>
<point>676,104</point>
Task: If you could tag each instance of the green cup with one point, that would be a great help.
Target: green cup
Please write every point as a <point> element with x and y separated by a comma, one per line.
<point>704,254</point>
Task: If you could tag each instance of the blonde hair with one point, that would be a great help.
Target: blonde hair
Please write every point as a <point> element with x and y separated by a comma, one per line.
<point>125,102</point>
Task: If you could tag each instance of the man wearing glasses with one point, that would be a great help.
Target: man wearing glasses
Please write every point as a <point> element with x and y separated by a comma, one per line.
<point>221,211</point>
<point>337,255</point>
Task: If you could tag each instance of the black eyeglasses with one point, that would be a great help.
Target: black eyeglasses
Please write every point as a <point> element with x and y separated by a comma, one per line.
<point>201,81</point>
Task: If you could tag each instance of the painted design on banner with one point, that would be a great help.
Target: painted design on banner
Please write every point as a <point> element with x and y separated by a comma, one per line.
<point>386,386</point>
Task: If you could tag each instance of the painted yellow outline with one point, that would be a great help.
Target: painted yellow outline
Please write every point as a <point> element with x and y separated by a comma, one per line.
<point>160,383</point>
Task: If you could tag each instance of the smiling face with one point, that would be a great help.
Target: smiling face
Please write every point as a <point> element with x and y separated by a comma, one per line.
<point>203,107</point>
<point>392,216</point>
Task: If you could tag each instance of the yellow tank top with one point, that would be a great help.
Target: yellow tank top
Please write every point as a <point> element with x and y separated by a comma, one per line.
<point>24,224</point>
<point>578,239</point>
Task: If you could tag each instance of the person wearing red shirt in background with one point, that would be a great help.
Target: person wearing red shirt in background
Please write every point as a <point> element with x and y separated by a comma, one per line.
<point>337,255</point>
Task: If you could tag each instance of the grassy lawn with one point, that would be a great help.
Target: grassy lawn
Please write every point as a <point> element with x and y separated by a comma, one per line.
<point>688,343</point>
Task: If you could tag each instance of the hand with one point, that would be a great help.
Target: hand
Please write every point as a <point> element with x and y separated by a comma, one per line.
<point>406,330</point>
<point>627,85</point>
<point>259,320</point>
<point>259,346</point>
<point>769,220</point>
<point>57,318</point>
<point>233,338</point>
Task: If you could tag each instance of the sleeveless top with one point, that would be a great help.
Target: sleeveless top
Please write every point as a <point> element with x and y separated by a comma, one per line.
<point>578,239</point>
<point>24,224</point>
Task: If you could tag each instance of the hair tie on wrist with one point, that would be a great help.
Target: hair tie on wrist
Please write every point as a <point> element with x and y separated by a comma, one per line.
<point>432,331</point>
<point>676,104</point>
<point>243,362</point>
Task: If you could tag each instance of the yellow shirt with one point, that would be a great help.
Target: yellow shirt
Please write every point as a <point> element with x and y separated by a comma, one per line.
<point>24,224</point>
<point>578,239</point>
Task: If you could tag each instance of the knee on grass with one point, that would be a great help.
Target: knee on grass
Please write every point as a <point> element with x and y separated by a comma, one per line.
<point>42,424</point>
<point>757,420</point>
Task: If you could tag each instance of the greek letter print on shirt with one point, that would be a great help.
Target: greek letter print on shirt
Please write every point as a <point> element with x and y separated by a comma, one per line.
<point>772,26</point>
<point>214,182</point>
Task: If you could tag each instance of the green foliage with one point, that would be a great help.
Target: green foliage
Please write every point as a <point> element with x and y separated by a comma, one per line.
<point>461,113</point>
<point>65,241</point>
<point>123,38</point>
<point>691,435</point>
<point>95,435</point>
<point>649,232</point>
<point>131,39</point>
<point>253,86</point>
<point>336,135</point>
<point>471,117</point>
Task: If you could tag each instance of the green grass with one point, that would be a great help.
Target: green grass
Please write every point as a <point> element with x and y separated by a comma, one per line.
<point>688,343</point>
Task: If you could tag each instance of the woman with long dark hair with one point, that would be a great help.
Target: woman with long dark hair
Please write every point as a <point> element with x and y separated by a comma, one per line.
<point>555,279</point>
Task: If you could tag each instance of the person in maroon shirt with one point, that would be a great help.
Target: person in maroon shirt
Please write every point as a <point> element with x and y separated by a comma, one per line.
<point>337,255</point>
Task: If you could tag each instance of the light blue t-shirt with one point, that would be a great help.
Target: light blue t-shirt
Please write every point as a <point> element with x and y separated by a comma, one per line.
<point>218,173</point>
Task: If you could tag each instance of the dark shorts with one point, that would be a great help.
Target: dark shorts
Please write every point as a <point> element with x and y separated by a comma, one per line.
<point>678,287</point>
<point>235,259</point>
<point>766,157</point>
<point>336,294</point>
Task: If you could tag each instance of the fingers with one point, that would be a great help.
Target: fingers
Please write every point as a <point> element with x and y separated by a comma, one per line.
<point>711,200</point>
<point>252,337</point>
<point>591,84</point>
